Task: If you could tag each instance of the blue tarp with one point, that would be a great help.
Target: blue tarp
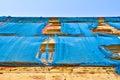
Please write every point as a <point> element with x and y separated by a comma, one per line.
<point>108,40</point>
<point>83,51</point>
<point>29,19</point>
<point>20,49</point>
<point>3,18</point>
<point>117,69</point>
<point>78,28</point>
<point>77,19</point>
<point>22,29</point>
<point>112,19</point>
<point>114,24</point>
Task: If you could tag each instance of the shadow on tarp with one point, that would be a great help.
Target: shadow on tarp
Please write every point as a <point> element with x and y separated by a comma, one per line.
<point>22,29</point>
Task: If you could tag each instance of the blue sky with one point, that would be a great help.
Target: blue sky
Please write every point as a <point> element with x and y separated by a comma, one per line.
<point>68,8</point>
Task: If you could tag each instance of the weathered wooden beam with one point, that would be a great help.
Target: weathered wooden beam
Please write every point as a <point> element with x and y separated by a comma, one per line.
<point>115,57</point>
<point>56,69</point>
<point>53,19</point>
<point>105,28</point>
<point>101,20</point>
<point>114,48</point>
<point>53,27</point>
<point>51,45</point>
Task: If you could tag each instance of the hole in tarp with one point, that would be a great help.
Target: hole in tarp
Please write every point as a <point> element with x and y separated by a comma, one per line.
<point>43,51</point>
<point>113,50</point>
<point>106,29</point>
<point>50,57</point>
<point>51,49</point>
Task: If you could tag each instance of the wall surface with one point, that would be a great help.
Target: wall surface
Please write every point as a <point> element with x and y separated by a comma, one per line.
<point>58,73</point>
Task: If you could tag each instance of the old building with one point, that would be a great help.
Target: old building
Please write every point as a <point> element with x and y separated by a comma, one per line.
<point>60,48</point>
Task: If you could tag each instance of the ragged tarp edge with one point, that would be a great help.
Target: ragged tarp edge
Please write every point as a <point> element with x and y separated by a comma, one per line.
<point>75,19</point>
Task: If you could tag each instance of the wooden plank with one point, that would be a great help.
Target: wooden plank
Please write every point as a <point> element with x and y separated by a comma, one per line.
<point>56,69</point>
<point>53,27</point>
<point>59,76</point>
<point>101,19</point>
<point>51,45</point>
<point>114,48</point>
<point>53,19</point>
<point>56,24</point>
<point>115,57</point>
<point>105,28</point>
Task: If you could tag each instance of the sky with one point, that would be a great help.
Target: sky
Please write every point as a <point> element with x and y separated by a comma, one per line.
<point>60,8</point>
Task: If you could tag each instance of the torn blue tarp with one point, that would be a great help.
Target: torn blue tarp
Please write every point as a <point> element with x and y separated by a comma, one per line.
<point>77,19</point>
<point>117,69</point>
<point>2,19</point>
<point>29,19</point>
<point>112,19</point>
<point>78,28</point>
<point>22,29</point>
<point>107,52</point>
<point>106,39</point>
<point>20,49</point>
<point>83,51</point>
<point>114,24</point>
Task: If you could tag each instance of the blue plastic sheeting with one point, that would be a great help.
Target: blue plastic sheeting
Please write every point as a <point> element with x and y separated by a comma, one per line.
<point>77,19</point>
<point>3,18</point>
<point>78,28</point>
<point>29,19</point>
<point>20,49</point>
<point>115,25</point>
<point>83,51</point>
<point>44,55</point>
<point>107,52</point>
<point>106,39</point>
<point>112,19</point>
<point>22,29</point>
<point>117,69</point>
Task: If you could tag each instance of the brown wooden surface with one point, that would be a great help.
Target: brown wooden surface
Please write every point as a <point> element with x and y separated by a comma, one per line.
<point>114,48</point>
<point>107,29</point>
<point>51,45</point>
<point>53,27</point>
<point>58,73</point>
